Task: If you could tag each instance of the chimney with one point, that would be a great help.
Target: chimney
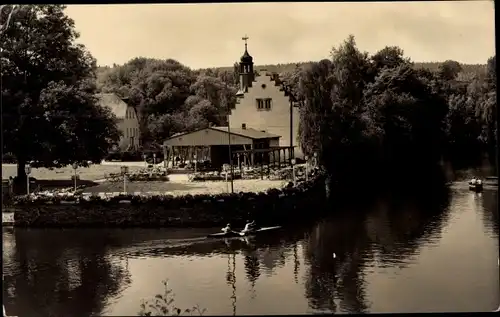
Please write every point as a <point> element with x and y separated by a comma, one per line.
<point>244,126</point>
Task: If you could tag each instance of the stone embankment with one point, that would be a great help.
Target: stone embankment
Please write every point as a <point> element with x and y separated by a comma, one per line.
<point>273,206</point>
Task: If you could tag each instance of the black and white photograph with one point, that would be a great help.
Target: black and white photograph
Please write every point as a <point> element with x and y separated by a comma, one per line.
<point>249,158</point>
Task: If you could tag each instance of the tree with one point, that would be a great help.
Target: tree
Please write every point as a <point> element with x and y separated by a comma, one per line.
<point>449,69</point>
<point>410,111</point>
<point>216,92</point>
<point>388,57</point>
<point>156,87</point>
<point>333,120</point>
<point>48,85</point>
<point>315,86</point>
<point>366,116</point>
<point>292,78</point>
<point>491,72</point>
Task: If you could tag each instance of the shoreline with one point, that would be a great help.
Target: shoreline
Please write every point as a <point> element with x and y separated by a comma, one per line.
<point>175,211</point>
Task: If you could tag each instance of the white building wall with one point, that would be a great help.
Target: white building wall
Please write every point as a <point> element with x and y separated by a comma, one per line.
<point>276,120</point>
<point>129,126</point>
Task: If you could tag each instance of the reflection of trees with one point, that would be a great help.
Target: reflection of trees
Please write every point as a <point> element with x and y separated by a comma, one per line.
<point>391,228</point>
<point>399,226</point>
<point>59,276</point>
<point>330,278</point>
<point>273,257</point>
<point>231,278</point>
<point>252,265</point>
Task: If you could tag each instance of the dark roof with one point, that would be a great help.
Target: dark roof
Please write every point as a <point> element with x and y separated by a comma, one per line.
<point>246,58</point>
<point>117,106</point>
<point>248,132</point>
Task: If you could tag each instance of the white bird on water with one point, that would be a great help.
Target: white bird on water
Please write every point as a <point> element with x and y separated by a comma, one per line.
<point>334,255</point>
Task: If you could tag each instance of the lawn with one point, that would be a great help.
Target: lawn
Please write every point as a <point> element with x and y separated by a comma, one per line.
<point>184,187</point>
<point>94,172</point>
<point>178,184</point>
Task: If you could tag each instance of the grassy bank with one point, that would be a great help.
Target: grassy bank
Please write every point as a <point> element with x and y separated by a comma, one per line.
<point>198,210</point>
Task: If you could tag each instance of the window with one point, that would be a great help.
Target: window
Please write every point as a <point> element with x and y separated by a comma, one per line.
<point>267,103</point>
<point>260,104</point>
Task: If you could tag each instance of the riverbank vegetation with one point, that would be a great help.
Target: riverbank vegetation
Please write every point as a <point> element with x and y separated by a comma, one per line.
<point>204,210</point>
<point>381,119</point>
<point>163,305</point>
<point>360,112</point>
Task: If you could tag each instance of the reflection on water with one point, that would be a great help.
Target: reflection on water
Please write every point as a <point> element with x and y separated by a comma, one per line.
<point>433,253</point>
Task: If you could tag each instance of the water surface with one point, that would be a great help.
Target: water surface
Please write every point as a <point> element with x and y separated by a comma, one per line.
<point>431,254</point>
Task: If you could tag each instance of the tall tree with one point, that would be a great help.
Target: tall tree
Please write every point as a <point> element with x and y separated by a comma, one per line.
<point>449,69</point>
<point>333,120</point>
<point>48,85</point>
<point>411,112</point>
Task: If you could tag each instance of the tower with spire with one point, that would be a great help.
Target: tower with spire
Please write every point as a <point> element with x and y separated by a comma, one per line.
<point>263,105</point>
<point>246,69</point>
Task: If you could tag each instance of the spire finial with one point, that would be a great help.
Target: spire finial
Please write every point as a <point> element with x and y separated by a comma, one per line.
<point>245,38</point>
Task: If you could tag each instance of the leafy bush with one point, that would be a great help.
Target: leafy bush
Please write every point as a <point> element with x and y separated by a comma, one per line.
<point>212,176</point>
<point>114,156</point>
<point>9,158</point>
<point>163,305</point>
<point>131,156</point>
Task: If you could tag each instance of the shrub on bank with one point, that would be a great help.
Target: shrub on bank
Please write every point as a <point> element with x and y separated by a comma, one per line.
<point>148,177</point>
<point>211,176</point>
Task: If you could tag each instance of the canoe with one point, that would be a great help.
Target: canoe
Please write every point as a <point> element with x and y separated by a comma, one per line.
<point>230,234</point>
<point>476,187</point>
<point>259,231</point>
<point>233,234</point>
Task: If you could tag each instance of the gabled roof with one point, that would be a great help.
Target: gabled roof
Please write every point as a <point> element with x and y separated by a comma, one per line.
<point>116,104</point>
<point>248,132</point>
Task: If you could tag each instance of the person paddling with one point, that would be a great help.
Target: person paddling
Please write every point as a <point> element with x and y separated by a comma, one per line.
<point>249,226</point>
<point>227,228</point>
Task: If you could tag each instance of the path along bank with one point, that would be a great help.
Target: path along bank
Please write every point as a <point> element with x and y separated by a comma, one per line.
<point>287,205</point>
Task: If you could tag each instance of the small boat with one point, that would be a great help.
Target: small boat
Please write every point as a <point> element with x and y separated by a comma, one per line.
<point>234,234</point>
<point>477,187</point>
<point>258,231</point>
<point>229,234</point>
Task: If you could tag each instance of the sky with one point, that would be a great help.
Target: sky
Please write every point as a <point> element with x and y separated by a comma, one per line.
<point>210,35</point>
